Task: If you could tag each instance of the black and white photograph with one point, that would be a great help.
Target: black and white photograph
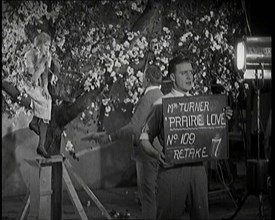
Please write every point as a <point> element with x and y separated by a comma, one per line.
<point>137,109</point>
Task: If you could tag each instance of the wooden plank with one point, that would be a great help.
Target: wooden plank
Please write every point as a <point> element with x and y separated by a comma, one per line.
<point>74,197</point>
<point>34,192</point>
<point>46,192</point>
<point>52,159</point>
<point>57,188</point>
<point>45,199</point>
<point>32,162</point>
<point>87,189</point>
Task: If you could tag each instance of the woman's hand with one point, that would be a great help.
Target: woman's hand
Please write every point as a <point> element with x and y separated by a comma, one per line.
<point>46,93</point>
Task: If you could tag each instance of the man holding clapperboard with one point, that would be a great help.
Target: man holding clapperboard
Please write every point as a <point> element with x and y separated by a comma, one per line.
<point>191,129</point>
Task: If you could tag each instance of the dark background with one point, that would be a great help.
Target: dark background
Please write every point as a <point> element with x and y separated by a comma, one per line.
<point>260,16</point>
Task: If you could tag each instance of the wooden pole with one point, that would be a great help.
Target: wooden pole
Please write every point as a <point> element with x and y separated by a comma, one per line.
<point>45,200</point>
<point>57,186</point>
<point>87,189</point>
<point>73,195</point>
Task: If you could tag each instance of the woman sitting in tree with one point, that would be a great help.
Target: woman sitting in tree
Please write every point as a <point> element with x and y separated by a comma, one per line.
<point>38,62</point>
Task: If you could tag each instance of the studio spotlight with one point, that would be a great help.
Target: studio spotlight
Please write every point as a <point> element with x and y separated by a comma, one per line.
<point>252,54</point>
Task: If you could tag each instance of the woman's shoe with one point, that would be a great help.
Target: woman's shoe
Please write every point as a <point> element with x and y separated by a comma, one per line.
<point>42,152</point>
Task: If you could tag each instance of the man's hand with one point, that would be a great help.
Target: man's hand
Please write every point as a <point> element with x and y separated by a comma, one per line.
<point>100,137</point>
<point>151,151</point>
<point>228,112</point>
<point>161,157</point>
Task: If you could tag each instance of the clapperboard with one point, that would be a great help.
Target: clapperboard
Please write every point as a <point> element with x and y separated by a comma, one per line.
<point>195,128</point>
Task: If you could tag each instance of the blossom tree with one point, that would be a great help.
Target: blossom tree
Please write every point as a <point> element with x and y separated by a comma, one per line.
<point>92,51</point>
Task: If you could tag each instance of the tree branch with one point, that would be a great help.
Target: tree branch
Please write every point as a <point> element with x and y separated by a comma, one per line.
<point>13,92</point>
<point>150,14</point>
<point>68,113</point>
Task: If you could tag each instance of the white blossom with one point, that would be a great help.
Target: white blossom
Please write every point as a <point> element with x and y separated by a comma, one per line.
<point>107,109</point>
<point>184,37</point>
<point>236,84</point>
<point>126,44</point>
<point>166,30</point>
<point>211,13</point>
<point>134,6</point>
<point>69,146</point>
<point>113,73</point>
<point>206,33</point>
<point>117,63</point>
<point>130,70</point>
<point>105,101</point>
<point>130,36</point>
<point>188,22</point>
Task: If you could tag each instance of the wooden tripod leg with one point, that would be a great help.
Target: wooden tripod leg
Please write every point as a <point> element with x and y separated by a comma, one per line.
<point>34,191</point>
<point>87,189</point>
<point>76,202</point>
<point>24,210</point>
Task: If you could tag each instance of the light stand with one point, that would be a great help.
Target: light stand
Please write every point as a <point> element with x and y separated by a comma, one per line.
<point>256,168</point>
<point>258,136</point>
<point>252,54</point>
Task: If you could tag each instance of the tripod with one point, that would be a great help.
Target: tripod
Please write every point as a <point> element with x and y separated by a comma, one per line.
<point>257,169</point>
<point>44,199</point>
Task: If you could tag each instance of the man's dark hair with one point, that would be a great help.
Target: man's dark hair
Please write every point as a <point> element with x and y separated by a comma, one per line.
<point>175,61</point>
<point>153,73</point>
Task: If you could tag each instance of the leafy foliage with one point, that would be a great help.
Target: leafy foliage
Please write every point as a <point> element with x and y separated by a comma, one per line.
<point>98,49</point>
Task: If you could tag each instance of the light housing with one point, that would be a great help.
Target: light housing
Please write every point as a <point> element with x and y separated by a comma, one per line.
<point>254,53</point>
<point>241,57</point>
